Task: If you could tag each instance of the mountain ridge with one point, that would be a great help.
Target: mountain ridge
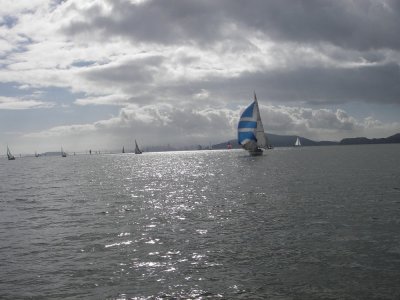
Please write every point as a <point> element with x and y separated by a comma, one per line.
<point>277,140</point>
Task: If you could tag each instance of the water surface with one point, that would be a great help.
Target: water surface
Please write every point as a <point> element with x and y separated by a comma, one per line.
<point>297,223</point>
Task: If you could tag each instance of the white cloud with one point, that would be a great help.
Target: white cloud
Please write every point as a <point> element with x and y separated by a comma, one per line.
<point>184,126</point>
<point>322,124</point>
<point>114,99</point>
<point>203,94</point>
<point>10,103</point>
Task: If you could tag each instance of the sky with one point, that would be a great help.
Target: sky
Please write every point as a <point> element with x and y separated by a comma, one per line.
<point>97,74</point>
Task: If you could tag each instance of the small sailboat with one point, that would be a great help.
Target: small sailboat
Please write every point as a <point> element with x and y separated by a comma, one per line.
<point>251,131</point>
<point>63,154</point>
<point>36,154</point>
<point>297,143</point>
<point>137,150</point>
<point>9,155</point>
<point>123,149</point>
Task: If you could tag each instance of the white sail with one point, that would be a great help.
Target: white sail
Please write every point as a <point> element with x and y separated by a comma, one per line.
<point>9,155</point>
<point>297,143</point>
<point>259,133</point>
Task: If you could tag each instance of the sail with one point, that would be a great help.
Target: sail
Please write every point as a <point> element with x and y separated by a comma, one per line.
<point>63,154</point>
<point>123,149</point>
<point>137,150</point>
<point>297,143</point>
<point>9,155</point>
<point>250,129</point>
<point>260,135</point>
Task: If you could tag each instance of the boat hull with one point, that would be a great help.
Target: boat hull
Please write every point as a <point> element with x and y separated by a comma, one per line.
<point>257,152</point>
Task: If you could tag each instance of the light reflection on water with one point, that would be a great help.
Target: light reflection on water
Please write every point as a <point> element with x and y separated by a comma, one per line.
<point>309,223</point>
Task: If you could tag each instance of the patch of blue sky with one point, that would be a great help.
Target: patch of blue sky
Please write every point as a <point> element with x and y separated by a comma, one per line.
<point>20,47</point>
<point>83,63</point>
<point>63,111</point>
<point>59,95</point>
<point>39,119</point>
<point>51,94</point>
<point>11,89</point>
<point>8,21</point>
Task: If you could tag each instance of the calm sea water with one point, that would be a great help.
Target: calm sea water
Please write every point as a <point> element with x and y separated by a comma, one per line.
<point>307,223</point>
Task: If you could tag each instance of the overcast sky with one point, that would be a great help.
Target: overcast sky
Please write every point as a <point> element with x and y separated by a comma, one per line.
<point>98,74</point>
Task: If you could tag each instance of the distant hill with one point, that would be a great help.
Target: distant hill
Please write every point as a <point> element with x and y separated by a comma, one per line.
<point>288,140</point>
<point>278,141</point>
<point>55,153</point>
<point>363,140</point>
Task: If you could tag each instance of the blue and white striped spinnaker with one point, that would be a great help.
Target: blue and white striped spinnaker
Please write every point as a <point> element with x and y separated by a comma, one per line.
<point>250,129</point>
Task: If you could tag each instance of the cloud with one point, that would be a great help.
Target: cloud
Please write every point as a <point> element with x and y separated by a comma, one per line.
<point>322,124</point>
<point>342,23</point>
<point>150,120</point>
<point>320,85</point>
<point>114,99</point>
<point>184,126</point>
<point>130,73</point>
<point>10,103</point>
<point>179,70</point>
<point>309,52</point>
<point>166,22</point>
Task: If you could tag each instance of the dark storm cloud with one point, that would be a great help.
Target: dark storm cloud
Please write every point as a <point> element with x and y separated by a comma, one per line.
<point>165,22</point>
<point>315,85</point>
<point>358,25</point>
<point>129,73</point>
<point>360,31</point>
<point>349,24</point>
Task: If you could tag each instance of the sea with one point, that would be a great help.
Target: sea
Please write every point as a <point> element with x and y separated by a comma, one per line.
<point>295,223</point>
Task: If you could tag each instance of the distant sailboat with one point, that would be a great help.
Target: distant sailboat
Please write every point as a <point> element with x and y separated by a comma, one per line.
<point>36,154</point>
<point>251,131</point>
<point>123,149</point>
<point>9,155</point>
<point>63,154</point>
<point>137,150</point>
<point>297,143</point>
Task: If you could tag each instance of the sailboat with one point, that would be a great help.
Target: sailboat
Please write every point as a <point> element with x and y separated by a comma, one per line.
<point>36,154</point>
<point>297,143</point>
<point>9,155</point>
<point>123,149</point>
<point>251,131</point>
<point>63,154</point>
<point>137,150</point>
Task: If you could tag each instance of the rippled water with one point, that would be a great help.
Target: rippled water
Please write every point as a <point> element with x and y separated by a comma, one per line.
<point>308,223</point>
